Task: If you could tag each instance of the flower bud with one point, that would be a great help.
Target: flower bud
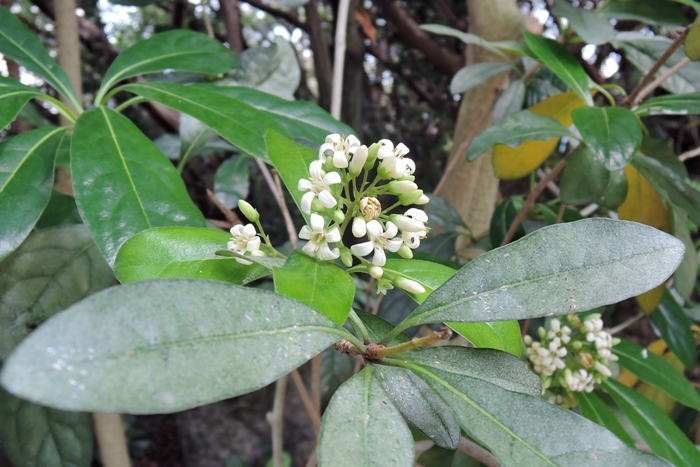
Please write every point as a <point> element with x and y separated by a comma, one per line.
<point>616,340</point>
<point>576,345</point>
<point>400,187</point>
<point>568,377</point>
<point>338,216</point>
<point>547,382</point>
<point>422,200</point>
<point>317,205</point>
<point>407,224</point>
<point>328,165</point>
<point>358,160</point>
<point>527,339</point>
<point>359,227</point>
<point>370,208</point>
<point>346,256</point>
<point>248,211</point>
<point>586,360</point>
<point>410,198</point>
<point>372,155</point>
<point>541,332</point>
<point>409,178</point>
<point>375,271</point>
<point>409,285</point>
<point>602,369</point>
<point>405,252</point>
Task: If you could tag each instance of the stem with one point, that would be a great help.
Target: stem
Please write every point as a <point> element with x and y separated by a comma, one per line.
<point>316,382</point>
<point>207,20</point>
<point>531,199</point>
<point>276,189</point>
<point>415,343</point>
<point>360,325</point>
<point>306,400</point>
<point>101,98</point>
<point>664,76</point>
<point>109,431</point>
<point>339,58</point>
<point>132,101</point>
<point>276,420</point>
<point>60,107</point>
<point>230,215</point>
<point>607,95</point>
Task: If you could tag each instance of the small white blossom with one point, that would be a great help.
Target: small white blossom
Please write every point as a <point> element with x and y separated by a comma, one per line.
<point>547,360</point>
<point>317,185</point>
<point>359,227</point>
<point>339,148</point>
<point>602,339</point>
<point>393,160</point>
<point>318,237</point>
<point>559,332</point>
<point>379,240</point>
<point>580,381</point>
<point>245,239</point>
<point>413,227</point>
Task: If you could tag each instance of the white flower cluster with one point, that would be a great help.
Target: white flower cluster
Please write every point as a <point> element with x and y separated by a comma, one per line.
<point>571,358</point>
<point>245,240</point>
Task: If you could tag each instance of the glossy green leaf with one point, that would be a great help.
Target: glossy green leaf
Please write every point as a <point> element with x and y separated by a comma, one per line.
<point>502,218</point>
<point>555,270</point>
<point>377,327</point>
<point>13,97</point>
<point>336,368</point>
<point>25,47</point>
<point>302,119</point>
<point>143,188</point>
<point>63,151</point>
<point>32,435</point>
<point>361,427</point>
<point>659,431</point>
<point>239,123</point>
<point>592,27</point>
<point>419,405</point>
<point>672,104</point>
<point>658,12</point>
<point>26,177</point>
<point>685,277</point>
<point>511,100</point>
<point>194,135</point>
<point>593,408</point>
<point>466,37</point>
<point>643,51</point>
<point>514,130</point>
<point>616,191</point>
<point>670,185</point>
<point>273,69</point>
<point>291,160</point>
<point>584,179</point>
<point>442,213</point>
<point>691,3</point>
<point>172,344</point>
<point>180,49</point>
<point>441,457</point>
<point>613,134</point>
<point>656,371</point>
<point>673,326</point>
<point>319,284</point>
<point>501,335</point>
<point>60,210</point>
<point>181,253</point>
<point>50,271</point>
<point>232,180</point>
<point>562,63</point>
<point>475,74</point>
<point>522,430</point>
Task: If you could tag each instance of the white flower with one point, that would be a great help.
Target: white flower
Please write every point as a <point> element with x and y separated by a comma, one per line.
<point>318,237</point>
<point>602,339</point>
<point>580,381</point>
<point>548,360</point>
<point>339,148</point>
<point>317,185</point>
<point>245,238</point>
<point>379,240</point>
<point>359,227</point>
<point>559,332</point>
<point>413,226</point>
<point>393,160</point>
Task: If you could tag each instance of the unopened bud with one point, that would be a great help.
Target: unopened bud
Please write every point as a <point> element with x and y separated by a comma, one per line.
<point>547,382</point>
<point>586,360</point>
<point>248,211</point>
<point>568,377</point>
<point>542,332</point>
<point>602,369</point>
<point>422,200</point>
<point>317,205</point>
<point>577,345</point>
<point>346,256</point>
<point>527,339</point>
<point>407,224</point>
<point>405,252</point>
<point>372,155</point>
<point>358,160</point>
<point>409,178</point>
<point>375,271</point>
<point>370,208</point>
<point>616,340</point>
<point>409,285</point>
<point>410,198</point>
<point>402,186</point>
<point>359,227</point>
<point>339,216</point>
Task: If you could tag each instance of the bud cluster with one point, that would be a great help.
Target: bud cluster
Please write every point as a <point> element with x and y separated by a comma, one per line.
<point>571,356</point>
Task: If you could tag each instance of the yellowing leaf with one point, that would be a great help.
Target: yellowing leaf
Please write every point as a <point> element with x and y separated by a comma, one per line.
<point>643,204</point>
<point>692,41</point>
<point>511,163</point>
<point>656,395</point>
<point>628,378</point>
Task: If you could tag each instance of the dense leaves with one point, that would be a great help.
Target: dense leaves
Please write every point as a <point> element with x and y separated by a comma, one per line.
<point>673,326</point>
<point>473,75</point>
<point>613,134</point>
<point>13,96</point>
<point>596,410</point>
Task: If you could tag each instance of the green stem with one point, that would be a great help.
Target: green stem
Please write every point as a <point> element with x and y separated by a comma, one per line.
<point>101,100</point>
<point>616,87</point>
<point>415,343</point>
<point>132,101</point>
<point>360,325</point>
<point>60,106</point>
<point>605,93</point>
<point>395,332</point>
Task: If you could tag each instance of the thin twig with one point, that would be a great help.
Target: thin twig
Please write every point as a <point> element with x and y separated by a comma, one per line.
<point>341,29</point>
<point>630,100</point>
<point>207,20</point>
<point>531,199</point>
<point>658,81</point>
<point>377,304</point>
<point>626,323</point>
<point>551,186</point>
<point>306,400</point>
<point>588,210</point>
<point>291,230</point>
<point>478,452</point>
<point>316,382</point>
<point>230,215</point>
<point>689,154</point>
<point>276,420</point>
<point>368,291</point>
<point>560,214</point>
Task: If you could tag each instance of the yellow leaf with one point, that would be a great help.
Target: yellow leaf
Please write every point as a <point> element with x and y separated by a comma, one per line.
<point>643,204</point>
<point>628,378</point>
<point>511,163</point>
<point>692,41</point>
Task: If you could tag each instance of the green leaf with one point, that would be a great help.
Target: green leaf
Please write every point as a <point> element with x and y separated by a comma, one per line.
<point>273,69</point>
<point>336,368</point>
<point>172,344</point>
<point>466,37</point>
<point>320,284</point>
<point>555,270</point>
<point>26,177</point>
<point>25,47</point>
<point>673,326</point>
<point>511,100</point>
<point>180,50</point>
<point>291,160</point>
<point>60,210</point>
<point>231,182</point>
<point>419,405</point>
<point>237,122</point>
<point>194,136</point>
<point>522,430</point>
<point>658,12</point>
<point>659,431</point>
<point>502,218</point>
<point>686,275</point>
<point>473,75</point>
<point>593,408</point>
<point>302,119</point>
<point>562,63</point>
<point>181,253</point>
<point>50,271</point>
<point>592,27</point>
<point>670,185</point>
<point>377,328</point>
<point>32,435</point>
<point>584,179</point>
<point>656,371</point>
<point>443,214</point>
<point>144,189</point>
<point>361,427</point>
<point>613,134</point>
<point>12,98</point>
<point>503,335</point>
<point>616,191</point>
<point>672,104</point>
<point>514,130</point>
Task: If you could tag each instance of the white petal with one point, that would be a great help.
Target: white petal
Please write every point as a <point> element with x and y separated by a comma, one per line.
<point>253,244</point>
<point>391,230</point>
<point>249,231</point>
<point>417,214</point>
<point>242,261</point>
<point>327,199</point>
<point>327,254</point>
<point>389,164</point>
<point>362,249</point>
<point>333,235</point>
<point>305,185</point>
<point>340,159</point>
<point>359,227</point>
<point>231,246</point>
<point>400,168</point>
<point>374,228</point>
<point>402,149</point>
<point>317,223</point>
<point>326,150</point>
<point>316,170</point>
<point>333,139</point>
<point>352,141</point>
<point>236,230</point>
<point>309,249</point>
<point>385,152</point>
<point>306,201</point>
<point>394,245</point>
<point>331,178</point>
<point>379,258</point>
<point>305,233</point>
<point>387,142</point>
<point>410,166</point>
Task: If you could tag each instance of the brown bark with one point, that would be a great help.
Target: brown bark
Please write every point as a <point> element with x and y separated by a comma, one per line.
<point>322,58</point>
<point>231,16</point>
<point>471,187</point>
<point>353,75</point>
